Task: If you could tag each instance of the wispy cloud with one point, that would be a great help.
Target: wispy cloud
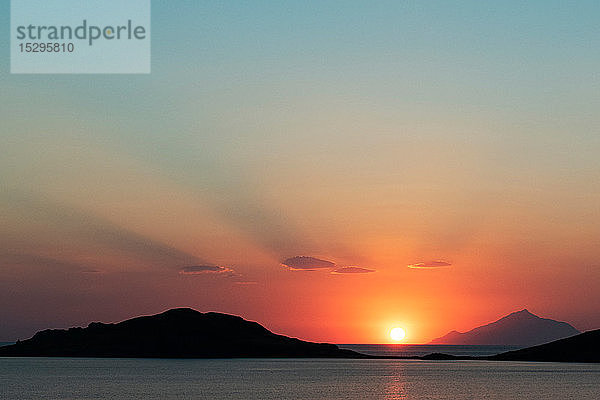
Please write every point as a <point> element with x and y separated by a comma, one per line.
<point>352,270</point>
<point>305,263</point>
<point>430,264</point>
<point>206,269</point>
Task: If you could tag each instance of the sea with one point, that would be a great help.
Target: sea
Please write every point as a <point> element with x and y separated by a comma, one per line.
<point>277,379</point>
<point>410,350</point>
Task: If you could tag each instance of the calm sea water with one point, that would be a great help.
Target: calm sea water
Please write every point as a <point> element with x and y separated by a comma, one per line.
<point>323,379</point>
<point>407,350</point>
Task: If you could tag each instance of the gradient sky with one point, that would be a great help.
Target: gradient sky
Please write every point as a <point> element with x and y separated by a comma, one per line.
<point>461,139</point>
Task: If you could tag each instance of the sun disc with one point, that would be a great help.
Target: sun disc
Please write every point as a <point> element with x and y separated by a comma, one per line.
<point>397,334</point>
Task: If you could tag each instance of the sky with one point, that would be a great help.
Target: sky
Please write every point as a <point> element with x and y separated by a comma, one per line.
<point>329,169</point>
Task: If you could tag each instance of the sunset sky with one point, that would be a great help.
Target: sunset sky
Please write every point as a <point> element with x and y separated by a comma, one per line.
<point>328,170</point>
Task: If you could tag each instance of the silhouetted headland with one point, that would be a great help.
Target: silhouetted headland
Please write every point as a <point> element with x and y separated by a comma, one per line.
<point>584,347</point>
<point>176,333</point>
<point>520,328</point>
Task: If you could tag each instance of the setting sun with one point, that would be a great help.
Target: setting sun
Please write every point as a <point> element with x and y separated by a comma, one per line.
<point>397,334</point>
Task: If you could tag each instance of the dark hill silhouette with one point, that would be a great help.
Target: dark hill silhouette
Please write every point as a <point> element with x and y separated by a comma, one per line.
<point>520,328</point>
<point>584,347</point>
<point>176,333</point>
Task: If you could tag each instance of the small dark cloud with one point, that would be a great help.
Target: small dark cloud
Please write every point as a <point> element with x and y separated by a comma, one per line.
<point>352,270</point>
<point>304,263</point>
<point>430,264</point>
<point>205,269</point>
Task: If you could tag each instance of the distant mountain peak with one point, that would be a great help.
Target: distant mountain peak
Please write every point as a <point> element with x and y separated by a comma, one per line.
<point>520,328</point>
<point>524,313</point>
